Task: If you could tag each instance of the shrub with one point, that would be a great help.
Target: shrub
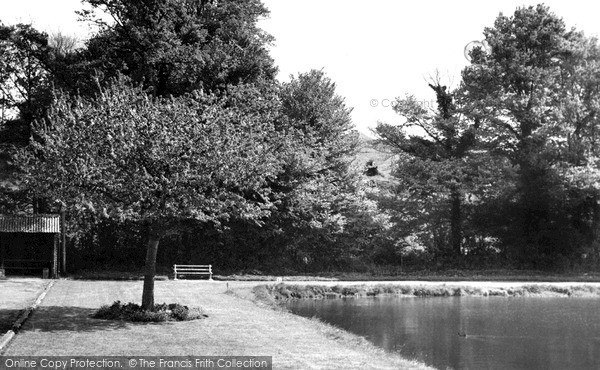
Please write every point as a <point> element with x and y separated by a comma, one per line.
<point>406,290</point>
<point>159,313</point>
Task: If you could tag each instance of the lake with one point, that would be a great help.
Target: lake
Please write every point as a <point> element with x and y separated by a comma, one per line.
<point>472,332</point>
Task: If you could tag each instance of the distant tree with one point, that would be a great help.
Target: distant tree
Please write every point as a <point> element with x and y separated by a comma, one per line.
<point>63,44</point>
<point>433,162</point>
<point>161,161</point>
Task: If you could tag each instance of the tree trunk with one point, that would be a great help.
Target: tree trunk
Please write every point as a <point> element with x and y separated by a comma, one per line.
<point>535,203</point>
<point>150,269</point>
<point>455,223</point>
<point>595,233</point>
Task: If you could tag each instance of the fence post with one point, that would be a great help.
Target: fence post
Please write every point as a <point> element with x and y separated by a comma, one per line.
<point>210,273</point>
<point>175,271</point>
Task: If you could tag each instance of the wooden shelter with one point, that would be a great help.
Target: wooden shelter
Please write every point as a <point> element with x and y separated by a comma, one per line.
<point>32,243</point>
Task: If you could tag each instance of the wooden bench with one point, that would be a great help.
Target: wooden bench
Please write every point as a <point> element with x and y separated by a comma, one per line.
<point>192,270</point>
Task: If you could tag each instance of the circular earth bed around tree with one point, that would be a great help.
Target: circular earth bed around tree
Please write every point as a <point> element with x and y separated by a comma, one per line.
<point>159,313</point>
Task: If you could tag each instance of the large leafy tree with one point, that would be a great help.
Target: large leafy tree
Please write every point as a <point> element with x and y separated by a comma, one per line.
<point>174,46</point>
<point>316,203</point>
<point>170,47</point>
<point>536,93</point>
<point>312,107</point>
<point>316,183</point>
<point>25,82</point>
<point>317,208</point>
<point>162,161</point>
<point>31,62</point>
<point>25,94</point>
<point>578,162</point>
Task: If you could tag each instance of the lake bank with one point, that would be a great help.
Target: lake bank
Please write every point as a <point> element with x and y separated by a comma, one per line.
<point>300,290</point>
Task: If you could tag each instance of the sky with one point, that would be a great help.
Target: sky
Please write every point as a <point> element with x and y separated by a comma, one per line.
<point>374,51</point>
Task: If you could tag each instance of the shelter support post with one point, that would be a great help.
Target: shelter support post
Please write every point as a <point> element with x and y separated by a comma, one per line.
<point>55,256</point>
<point>2,252</point>
<point>63,242</point>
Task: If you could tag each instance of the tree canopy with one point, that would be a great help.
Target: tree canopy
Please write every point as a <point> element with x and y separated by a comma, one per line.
<point>174,47</point>
<point>162,161</point>
<point>435,160</point>
<point>536,93</point>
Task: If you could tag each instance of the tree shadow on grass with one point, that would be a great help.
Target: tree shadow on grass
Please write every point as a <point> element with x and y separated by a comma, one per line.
<point>7,319</point>
<point>76,319</point>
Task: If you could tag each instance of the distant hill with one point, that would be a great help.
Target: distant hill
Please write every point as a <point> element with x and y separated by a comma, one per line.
<point>381,155</point>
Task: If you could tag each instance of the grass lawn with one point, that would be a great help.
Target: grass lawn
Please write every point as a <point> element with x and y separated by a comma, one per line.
<point>236,326</point>
<point>17,294</point>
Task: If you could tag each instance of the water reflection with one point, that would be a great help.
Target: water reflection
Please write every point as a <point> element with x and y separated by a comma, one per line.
<point>473,332</point>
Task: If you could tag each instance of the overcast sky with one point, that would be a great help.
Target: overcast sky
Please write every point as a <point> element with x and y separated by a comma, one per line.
<point>374,50</point>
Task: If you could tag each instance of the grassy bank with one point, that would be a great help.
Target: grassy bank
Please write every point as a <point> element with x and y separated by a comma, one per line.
<point>282,292</point>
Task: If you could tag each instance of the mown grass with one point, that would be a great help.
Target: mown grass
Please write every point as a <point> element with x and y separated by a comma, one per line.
<point>15,296</point>
<point>282,292</point>
<point>262,296</point>
<point>63,326</point>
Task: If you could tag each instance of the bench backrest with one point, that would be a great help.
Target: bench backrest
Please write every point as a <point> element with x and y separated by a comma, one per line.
<point>193,267</point>
<point>193,270</point>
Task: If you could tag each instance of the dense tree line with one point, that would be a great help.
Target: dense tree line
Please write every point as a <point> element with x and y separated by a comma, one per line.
<point>168,139</point>
<point>168,124</point>
<point>512,151</point>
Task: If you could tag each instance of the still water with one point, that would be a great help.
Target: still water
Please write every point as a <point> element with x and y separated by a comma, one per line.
<point>473,332</point>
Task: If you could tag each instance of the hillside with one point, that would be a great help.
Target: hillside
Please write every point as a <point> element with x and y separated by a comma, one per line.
<point>381,155</point>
